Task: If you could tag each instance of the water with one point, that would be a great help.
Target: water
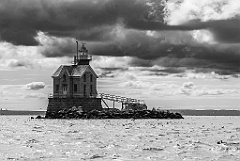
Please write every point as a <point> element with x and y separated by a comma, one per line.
<point>194,138</point>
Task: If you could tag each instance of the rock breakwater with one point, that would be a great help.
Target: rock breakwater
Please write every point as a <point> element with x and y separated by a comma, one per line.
<point>74,113</point>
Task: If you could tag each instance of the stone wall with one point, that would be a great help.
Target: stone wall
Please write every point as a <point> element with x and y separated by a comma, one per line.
<point>88,104</point>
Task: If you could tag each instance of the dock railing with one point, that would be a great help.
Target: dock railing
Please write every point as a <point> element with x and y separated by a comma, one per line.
<point>120,99</point>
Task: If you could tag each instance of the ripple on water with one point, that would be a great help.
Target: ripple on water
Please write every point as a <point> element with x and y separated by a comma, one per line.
<point>194,138</point>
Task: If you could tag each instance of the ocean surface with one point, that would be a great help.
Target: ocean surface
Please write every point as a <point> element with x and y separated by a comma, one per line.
<point>190,139</point>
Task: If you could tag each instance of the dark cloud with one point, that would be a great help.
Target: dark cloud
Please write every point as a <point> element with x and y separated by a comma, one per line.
<point>19,37</point>
<point>227,31</point>
<point>148,51</point>
<point>118,28</point>
<point>86,19</point>
<point>222,62</point>
<point>92,20</point>
<point>57,47</point>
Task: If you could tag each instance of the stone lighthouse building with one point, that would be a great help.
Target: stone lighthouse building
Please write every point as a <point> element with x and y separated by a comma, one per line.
<point>75,85</point>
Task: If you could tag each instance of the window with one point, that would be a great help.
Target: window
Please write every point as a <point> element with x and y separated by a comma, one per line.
<point>75,88</point>
<point>91,89</point>
<point>91,78</point>
<point>57,88</point>
<point>64,78</point>
<point>84,78</point>
<point>84,89</point>
<point>64,89</point>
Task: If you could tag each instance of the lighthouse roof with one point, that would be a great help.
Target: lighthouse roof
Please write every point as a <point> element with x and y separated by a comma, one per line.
<point>74,71</point>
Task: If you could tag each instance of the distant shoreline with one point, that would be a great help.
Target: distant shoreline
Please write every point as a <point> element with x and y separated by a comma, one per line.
<point>184,112</point>
<point>21,112</point>
<point>205,112</point>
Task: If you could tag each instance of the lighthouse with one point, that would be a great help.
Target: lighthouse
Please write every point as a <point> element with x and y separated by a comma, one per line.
<point>75,85</point>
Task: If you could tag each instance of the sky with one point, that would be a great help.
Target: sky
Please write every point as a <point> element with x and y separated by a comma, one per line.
<point>175,54</point>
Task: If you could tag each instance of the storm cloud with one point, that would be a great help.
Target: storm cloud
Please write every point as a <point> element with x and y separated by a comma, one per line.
<point>85,19</point>
<point>153,32</point>
<point>92,20</point>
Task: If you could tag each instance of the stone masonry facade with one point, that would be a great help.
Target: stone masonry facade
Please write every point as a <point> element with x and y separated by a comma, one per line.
<point>87,104</point>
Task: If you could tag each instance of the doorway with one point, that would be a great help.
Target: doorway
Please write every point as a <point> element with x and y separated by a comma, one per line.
<point>64,89</point>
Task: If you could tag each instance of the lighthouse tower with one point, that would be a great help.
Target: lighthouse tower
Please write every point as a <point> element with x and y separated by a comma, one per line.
<point>75,85</point>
